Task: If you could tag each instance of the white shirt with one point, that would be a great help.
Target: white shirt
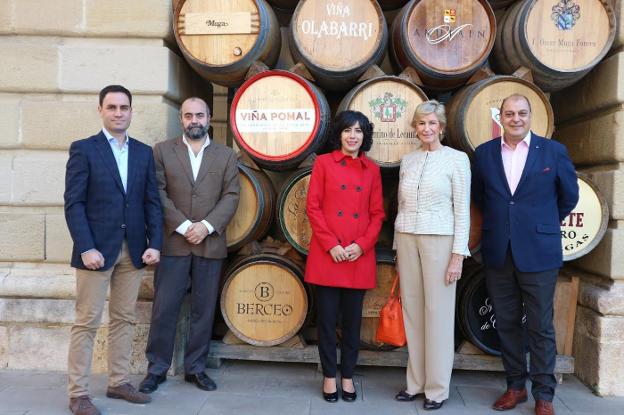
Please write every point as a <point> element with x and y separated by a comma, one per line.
<point>121,156</point>
<point>196,160</point>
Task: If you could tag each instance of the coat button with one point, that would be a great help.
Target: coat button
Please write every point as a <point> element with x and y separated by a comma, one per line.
<point>123,226</point>
<point>343,163</point>
<point>511,203</point>
<point>343,187</point>
<point>358,188</point>
<point>340,213</point>
<point>194,195</point>
<point>356,215</point>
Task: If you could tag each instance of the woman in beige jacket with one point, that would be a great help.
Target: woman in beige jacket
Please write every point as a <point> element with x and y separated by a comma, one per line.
<point>431,239</point>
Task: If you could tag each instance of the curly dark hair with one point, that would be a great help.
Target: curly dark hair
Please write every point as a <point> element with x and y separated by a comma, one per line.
<point>346,119</point>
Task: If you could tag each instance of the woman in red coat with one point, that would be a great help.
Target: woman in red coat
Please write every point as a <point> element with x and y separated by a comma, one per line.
<point>345,209</point>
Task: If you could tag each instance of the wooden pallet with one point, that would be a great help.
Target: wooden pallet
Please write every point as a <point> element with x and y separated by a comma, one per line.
<point>396,358</point>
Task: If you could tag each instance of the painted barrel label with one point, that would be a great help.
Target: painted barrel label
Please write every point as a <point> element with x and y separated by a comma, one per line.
<point>389,103</point>
<point>264,302</point>
<point>568,34</point>
<point>293,217</point>
<point>583,228</point>
<point>275,116</point>
<point>339,34</point>
<point>450,35</point>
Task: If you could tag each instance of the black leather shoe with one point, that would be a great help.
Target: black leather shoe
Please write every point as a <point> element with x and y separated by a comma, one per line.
<point>202,381</point>
<point>330,397</point>
<point>403,396</point>
<point>150,383</point>
<point>349,396</point>
<point>430,405</point>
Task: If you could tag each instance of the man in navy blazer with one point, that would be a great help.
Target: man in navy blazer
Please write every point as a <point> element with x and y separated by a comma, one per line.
<point>525,186</point>
<point>114,216</point>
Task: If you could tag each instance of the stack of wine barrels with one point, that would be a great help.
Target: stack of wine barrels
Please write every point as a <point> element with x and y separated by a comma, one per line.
<point>382,58</point>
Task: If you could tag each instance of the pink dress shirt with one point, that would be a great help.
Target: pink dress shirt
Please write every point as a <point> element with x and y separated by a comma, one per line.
<point>514,160</point>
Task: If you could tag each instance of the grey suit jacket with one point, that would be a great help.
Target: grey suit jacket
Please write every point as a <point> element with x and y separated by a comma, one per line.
<point>213,196</point>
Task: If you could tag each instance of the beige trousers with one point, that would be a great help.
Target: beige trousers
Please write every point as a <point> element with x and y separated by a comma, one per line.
<point>428,312</point>
<point>91,289</point>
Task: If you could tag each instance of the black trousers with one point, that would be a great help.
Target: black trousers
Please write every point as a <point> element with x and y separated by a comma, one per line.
<point>332,302</point>
<point>509,288</point>
<point>172,280</point>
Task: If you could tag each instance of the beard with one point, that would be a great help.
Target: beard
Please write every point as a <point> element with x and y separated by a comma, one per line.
<point>196,131</point>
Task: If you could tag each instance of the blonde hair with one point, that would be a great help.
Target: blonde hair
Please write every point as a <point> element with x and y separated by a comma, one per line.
<point>431,107</point>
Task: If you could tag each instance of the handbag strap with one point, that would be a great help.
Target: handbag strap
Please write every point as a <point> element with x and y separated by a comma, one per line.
<point>394,291</point>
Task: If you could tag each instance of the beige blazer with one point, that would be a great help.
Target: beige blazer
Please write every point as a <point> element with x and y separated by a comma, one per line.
<point>212,197</point>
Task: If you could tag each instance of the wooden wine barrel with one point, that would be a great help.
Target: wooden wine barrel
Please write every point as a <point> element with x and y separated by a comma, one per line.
<point>338,41</point>
<point>392,4</point>
<point>473,112</point>
<point>256,205</point>
<point>284,4</point>
<point>221,39</point>
<point>474,311</point>
<point>278,118</point>
<point>559,41</point>
<point>501,4</point>
<point>445,44</point>
<point>375,299</point>
<point>586,225</point>
<point>291,210</point>
<point>264,301</point>
<point>389,102</point>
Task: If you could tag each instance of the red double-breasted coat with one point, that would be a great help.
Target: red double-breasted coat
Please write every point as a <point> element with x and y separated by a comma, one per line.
<point>344,205</point>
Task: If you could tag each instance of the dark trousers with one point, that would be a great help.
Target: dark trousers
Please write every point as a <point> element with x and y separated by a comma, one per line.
<point>172,280</point>
<point>332,302</point>
<point>509,288</point>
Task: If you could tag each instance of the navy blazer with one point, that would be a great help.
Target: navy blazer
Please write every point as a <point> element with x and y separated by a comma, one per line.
<point>99,213</point>
<point>529,219</point>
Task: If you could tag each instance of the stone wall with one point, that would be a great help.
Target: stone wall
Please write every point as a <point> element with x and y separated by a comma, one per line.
<point>590,121</point>
<point>56,56</point>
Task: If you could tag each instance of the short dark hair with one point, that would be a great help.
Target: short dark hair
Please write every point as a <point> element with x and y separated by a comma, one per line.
<point>514,97</point>
<point>346,119</point>
<point>114,88</point>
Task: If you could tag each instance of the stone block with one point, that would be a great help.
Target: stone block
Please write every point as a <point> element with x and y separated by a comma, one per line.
<point>6,21</point>
<point>53,122</point>
<point>602,88</point>
<point>38,348</point>
<point>4,347</point>
<point>138,362</point>
<point>48,17</point>
<point>58,242</point>
<point>154,120</point>
<point>6,172</point>
<point>28,65</point>
<point>601,295</point>
<point>22,237</point>
<point>39,177</point>
<point>9,120</point>
<point>37,286</point>
<point>610,183</point>
<point>597,140</point>
<point>129,18</point>
<point>599,360</point>
<point>40,311</point>
<point>127,63</point>
<point>606,258</point>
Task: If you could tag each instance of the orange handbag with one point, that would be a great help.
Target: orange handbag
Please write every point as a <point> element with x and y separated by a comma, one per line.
<point>390,329</point>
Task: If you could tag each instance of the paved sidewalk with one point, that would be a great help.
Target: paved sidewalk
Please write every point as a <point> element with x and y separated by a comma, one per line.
<point>285,389</point>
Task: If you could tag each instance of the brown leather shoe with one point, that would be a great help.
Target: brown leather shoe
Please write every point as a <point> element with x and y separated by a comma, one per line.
<point>510,399</point>
<point>82,405</point>
<point>544,407</point>
<point>128,393</point>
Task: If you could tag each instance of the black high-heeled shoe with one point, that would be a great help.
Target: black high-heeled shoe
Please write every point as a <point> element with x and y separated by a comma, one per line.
<point>331,397</point>
<point>349,396</point>
<point>430,405</point>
